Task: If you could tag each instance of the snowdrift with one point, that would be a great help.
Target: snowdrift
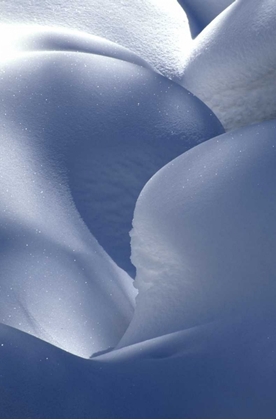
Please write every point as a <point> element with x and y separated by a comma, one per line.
<point>97,110</point>
<point>92,130</point>
<point>232,64</point>
<point>16,39</point>
<point>201,12</point>
<point>158,31</point>
<point>203,236</point>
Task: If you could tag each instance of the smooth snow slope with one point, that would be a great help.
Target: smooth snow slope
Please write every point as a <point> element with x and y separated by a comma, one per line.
<point>221,370</point>
<point>232,64</point>
<point>85,130</point>
<point>57,283</point>
<point>201,12</point>
<point>15,39</point>
<point>156,30</point>
<point>119,123</point>
<point>203,239</point>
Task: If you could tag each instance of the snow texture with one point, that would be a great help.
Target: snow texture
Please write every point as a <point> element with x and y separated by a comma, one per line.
<point>158,31</point>
<point>57,283</point>
<point>120,124</point>
<point>232,64</point>
<point>89,131</point>
<point>84,124</point>
<point>203,238</point>
<point>15,39</point>
<point>220,370</point>
<point>201,12</point>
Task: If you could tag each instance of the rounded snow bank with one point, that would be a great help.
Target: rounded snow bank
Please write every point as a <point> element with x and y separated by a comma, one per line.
<point>204,235</point>
<point>16,39</point>
<point>158,31</point>
<point>232,64</point>
<point>115,123</point>
<point>201,12</point>
<point>88,134</point>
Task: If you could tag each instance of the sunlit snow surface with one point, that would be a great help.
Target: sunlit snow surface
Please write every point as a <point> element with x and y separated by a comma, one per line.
<point>16,39</point>
<point>201,12</point>
<point>57,283</point>
<point>204,234</point>
<point>88,121</point>
<point>113,123</point>
<point>157,30</point>
<point>232,64</point>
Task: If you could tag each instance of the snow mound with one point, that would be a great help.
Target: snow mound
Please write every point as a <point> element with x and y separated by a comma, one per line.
<point>114,123</point>
<point>57,283</point>
<point>203,236</point>
<point>89,132</point>
<point>158,31</point>
<point>201,12</point>
<point>232,65</point>
<point>15,39</point>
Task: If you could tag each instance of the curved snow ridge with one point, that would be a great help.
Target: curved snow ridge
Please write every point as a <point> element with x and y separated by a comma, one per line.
<point>201,12</point>
<point>116,125</point>
<point>232,69</point>
<point>57,283</point>
<point>89,132</point>
<point>203,235</point>
<point>177,344</point>
<point>192,371</point>
<point>155,30</point>
<point>16,39</point>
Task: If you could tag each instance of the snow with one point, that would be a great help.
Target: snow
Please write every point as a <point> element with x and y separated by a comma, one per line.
<point>124,124</point>
<point>15,39</point>
<point>232,64</point>
<point>201,12</point>
<point>211,370</point>
<point>74,160</point>
<point>57,282</point>
<point>158,31</point>
<point>88,125</point>
<point>203,236</point>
